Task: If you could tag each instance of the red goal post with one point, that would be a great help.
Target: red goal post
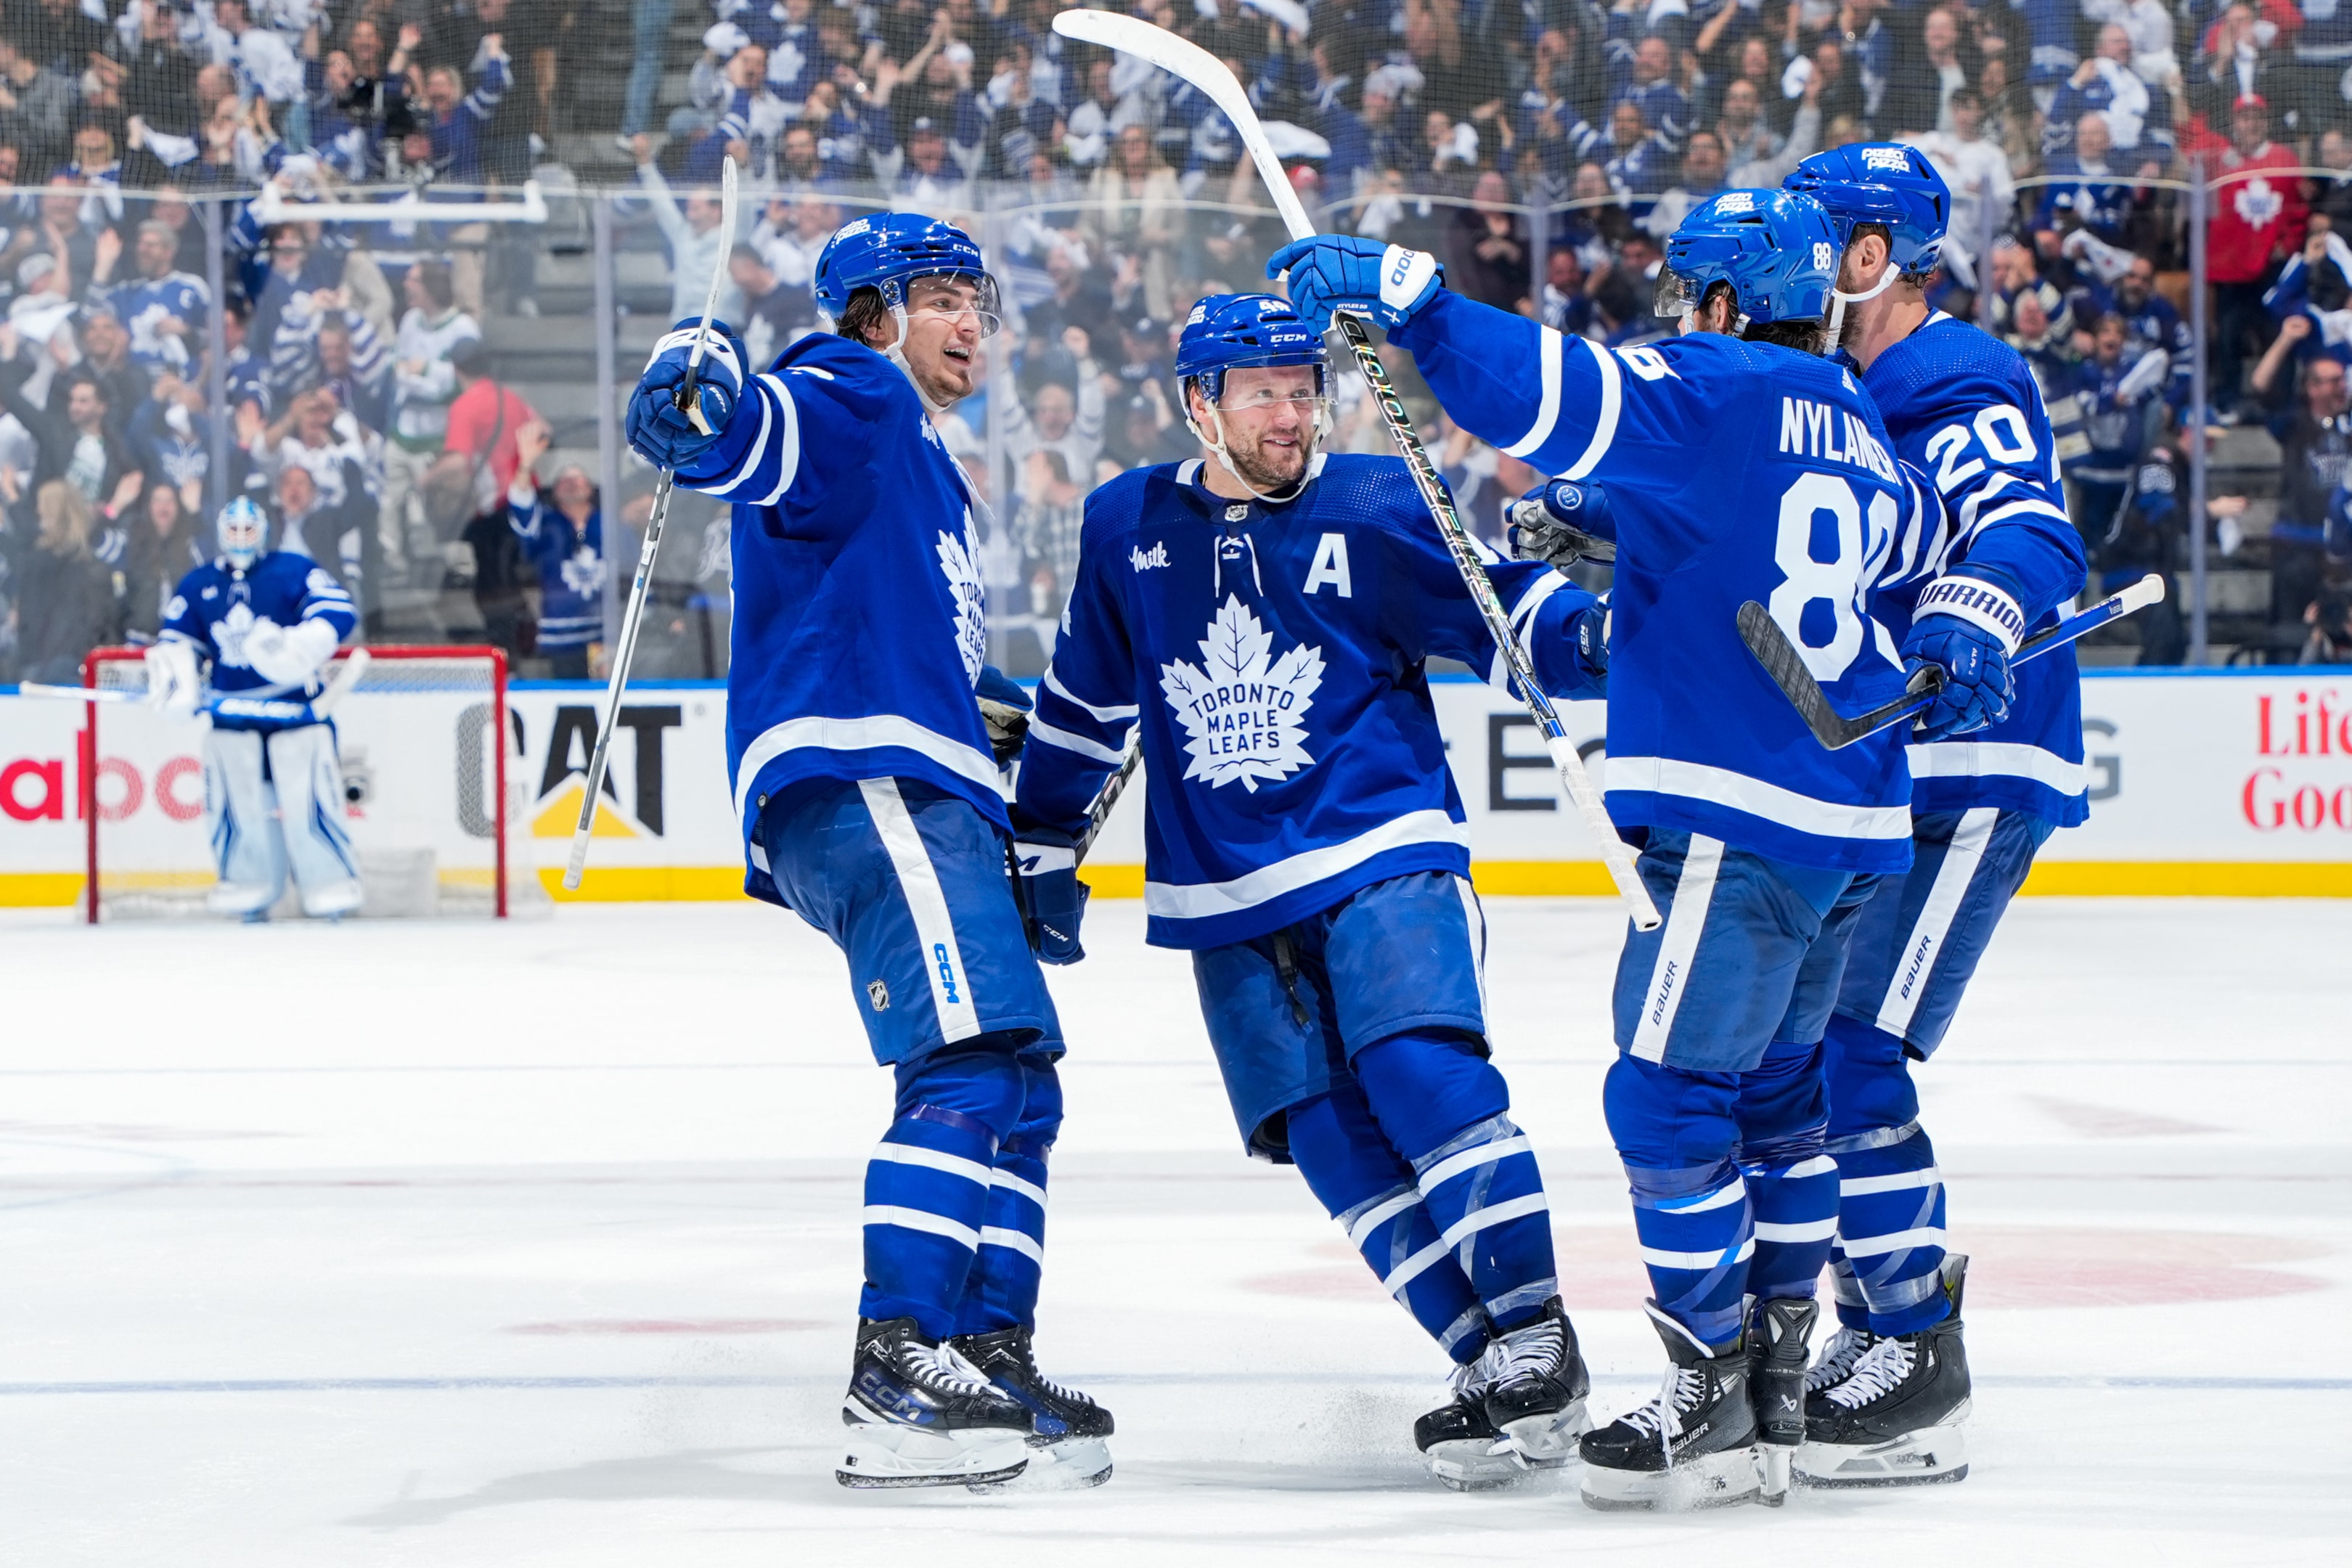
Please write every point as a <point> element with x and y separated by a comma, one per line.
<point>428,800</point>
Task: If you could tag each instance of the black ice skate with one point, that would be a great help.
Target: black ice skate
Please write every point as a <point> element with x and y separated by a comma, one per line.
<point>1845,1348</point>
<point>1462,1447</point>
<point>1536,1385</point>
<point>1777,1334</point>
<point>1894,1419</point>
<point>1068,1430</point>
<point>1692,1446</point>
<point>919,1414</point>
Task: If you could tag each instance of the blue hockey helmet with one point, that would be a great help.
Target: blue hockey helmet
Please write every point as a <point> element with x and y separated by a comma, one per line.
<point>1882,182</point>
<point>1239,331</point>
<point>1776,249</point>
<point>888,252</point>
<point>243,529</point>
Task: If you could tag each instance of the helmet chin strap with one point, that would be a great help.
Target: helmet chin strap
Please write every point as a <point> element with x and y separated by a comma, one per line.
<point>1841,299</point>
<point>1224,458</point>
<point>896,355</point>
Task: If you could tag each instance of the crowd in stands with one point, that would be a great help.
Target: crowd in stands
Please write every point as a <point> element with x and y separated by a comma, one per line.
<point>1542,150</point>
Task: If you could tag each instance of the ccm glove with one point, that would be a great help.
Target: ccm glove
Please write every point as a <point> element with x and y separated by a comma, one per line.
<point>1052,896</point>
<point>1004,709</point>
<point>661,432</point>
<point>1341,271</point>
<point>1562,522</point>
<point>1966,625</point>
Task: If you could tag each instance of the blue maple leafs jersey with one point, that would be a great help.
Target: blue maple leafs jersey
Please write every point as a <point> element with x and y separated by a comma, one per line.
<point>1965,410</point>
<point>144,304</point>
<point>215,606</point>
<point>860,618</point>
<point>1735,471</point>
<point>1273,655</point>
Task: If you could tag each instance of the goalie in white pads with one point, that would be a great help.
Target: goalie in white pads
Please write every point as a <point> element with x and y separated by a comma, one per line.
<point>1305,842</point>
<point>267,621</point>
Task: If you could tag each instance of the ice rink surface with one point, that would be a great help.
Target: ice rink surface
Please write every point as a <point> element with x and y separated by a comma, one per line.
<point>443,1243</point>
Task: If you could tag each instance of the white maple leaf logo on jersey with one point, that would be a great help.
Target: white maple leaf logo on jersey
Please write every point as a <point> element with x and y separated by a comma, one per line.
<point>229,633</point>
<point>960,561</point>
<point>2259,202</point>
<point>583,574</point>
<point>1243,719</point>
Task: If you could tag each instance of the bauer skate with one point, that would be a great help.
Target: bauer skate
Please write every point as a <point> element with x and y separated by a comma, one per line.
<point>919,1414</point>
<point>1536,1385</point>
<point>1068,1431</point>
<point>1776,1335</point>
<point>1692,1446</point>
<point>1894,1419</point>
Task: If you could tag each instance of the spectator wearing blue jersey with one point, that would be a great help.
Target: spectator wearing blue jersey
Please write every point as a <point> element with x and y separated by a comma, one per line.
<point>562,529</point>
<point>164,309</point>
<point>2317,461</point>
<point>1649,87</point>
<point>2088,191</point>
<point>2114,387</point>
<point>2139,117</point>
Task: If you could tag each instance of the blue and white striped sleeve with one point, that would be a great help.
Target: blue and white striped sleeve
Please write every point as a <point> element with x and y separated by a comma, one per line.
<point>757,458</point>
<point>1078,734</point>
<point>1993,464</point>
<point>324,599</point>
<point>1561,420</point>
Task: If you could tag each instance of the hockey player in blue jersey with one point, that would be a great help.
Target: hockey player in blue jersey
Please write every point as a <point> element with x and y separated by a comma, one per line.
<point>867,783</point>
<point>1737,464</point>
<point>1263,614</point>
<point>267,622</point>
<point>1995,765</point>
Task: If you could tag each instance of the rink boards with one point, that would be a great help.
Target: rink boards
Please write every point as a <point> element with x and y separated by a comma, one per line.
<point>2217,783</point>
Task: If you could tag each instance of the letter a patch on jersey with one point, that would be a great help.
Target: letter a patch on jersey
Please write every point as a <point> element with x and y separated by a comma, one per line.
<point>1243,710</point>
<point>1330,567</point>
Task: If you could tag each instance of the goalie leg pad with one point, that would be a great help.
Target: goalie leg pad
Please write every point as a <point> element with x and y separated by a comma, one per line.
<point>240,812</point>
<point>309,781</point>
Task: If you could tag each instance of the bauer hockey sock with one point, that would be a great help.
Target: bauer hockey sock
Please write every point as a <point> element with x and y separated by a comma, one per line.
<point>1002,1290</point>
<point>927,1183</point>
<point>1445,1107</point>
<point>1675,1132</point>
<point>1368,1187</point>
<point>1792,1185</point>
<point>1890,1202</point>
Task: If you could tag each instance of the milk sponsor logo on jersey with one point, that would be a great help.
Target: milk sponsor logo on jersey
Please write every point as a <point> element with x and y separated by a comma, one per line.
<point>1144,560</point>
<point>1243,711</point>
<point>959,563</point>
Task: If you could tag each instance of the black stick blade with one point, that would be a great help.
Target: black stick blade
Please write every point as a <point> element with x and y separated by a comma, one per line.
<point>1786,666</point>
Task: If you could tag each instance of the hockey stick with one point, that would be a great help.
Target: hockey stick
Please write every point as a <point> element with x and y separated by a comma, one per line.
<point>259,703</point>
<point>1786,664</point>
<point>625,651</point>
<point>1204,70</point>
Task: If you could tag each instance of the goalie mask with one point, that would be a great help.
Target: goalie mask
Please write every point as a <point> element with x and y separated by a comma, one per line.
<point>243,532</point>
<point>1226,333</point>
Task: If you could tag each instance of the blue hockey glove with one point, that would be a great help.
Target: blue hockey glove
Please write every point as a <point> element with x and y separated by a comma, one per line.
<point>1967,624</point>
<point>661,432</point>
<point>1004,709</point>
<point>1050,896</point>
<point>1330,272</point>
<point>1562,522</point>
<point>1589,627</point>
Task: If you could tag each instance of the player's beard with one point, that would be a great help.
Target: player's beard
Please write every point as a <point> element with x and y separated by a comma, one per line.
<point>1251,463</point>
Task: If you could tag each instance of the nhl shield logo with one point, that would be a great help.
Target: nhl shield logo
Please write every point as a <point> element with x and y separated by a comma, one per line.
<point>878,992</point>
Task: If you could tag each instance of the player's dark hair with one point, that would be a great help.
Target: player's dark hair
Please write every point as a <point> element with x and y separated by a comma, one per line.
<point>863,312</point>
<point>1805,337</point>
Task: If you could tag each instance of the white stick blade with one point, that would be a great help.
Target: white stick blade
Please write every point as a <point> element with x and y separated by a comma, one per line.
<point>2147,591</point>
<point>578,864</point>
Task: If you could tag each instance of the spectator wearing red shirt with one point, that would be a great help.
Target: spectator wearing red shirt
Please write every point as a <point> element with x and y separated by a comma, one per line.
<point>478,460</point>
<point>2259,214</point>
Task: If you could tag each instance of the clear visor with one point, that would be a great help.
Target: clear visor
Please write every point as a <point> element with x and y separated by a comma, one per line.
<point>955,294</point>
<point>1235,400</point>
<point>1675,295</point>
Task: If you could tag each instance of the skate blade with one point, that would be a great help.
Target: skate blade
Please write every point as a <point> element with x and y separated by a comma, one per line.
<point>1716,1481</point>
<point>1933,1456</point>
<point>884,1454</point>
<point>1072,1465</point>
<point>1547,1442</point>
<point>1475,1463</point>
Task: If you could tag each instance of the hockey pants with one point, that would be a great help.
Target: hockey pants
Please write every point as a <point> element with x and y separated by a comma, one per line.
<point>273,804</point>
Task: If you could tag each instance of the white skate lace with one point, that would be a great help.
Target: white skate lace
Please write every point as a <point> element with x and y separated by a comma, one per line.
<point>946,1365</point>
<point>1681,1391</point>
<point>1532,1352</point>
<point>1879,1373</point>
<point>1838,1358</point>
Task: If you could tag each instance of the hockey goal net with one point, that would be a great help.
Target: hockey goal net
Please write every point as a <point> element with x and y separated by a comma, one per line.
<point>429,798</point>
